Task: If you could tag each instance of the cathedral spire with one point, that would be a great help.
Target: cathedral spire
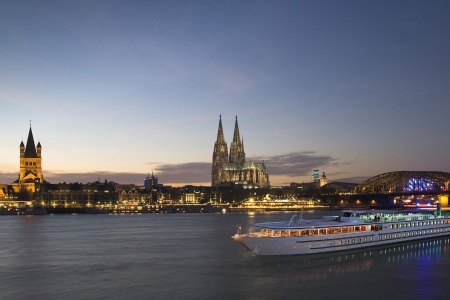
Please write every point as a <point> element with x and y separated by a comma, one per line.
<point>220,136</point>
<point>220,156</point>
<point>236,137</point>
<point>237,154</point>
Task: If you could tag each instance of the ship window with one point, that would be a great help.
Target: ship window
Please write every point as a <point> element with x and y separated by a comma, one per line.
<point>330,230</point>
<point>312,232</point>
<point>294,233</point>
<point>344,229</point>
<point>347,242</point>
<point>357,228</point>
<point>284,233</point>
<point>353,241</point>
<point>322,231</point>
<point>276,233</point>
<point>337,230</point>
<point>303,233</point>
<point>350,229</point>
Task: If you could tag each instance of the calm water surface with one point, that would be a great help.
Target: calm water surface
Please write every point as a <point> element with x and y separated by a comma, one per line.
<point>191,256</point>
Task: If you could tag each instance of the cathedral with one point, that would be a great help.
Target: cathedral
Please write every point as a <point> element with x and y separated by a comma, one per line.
<point>232,167</point>
<point>30,174</point>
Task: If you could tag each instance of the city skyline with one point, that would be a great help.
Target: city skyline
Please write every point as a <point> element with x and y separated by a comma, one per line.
<point>117,90</point>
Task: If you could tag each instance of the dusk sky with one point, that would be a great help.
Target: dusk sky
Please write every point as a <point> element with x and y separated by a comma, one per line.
<point>118,89</point>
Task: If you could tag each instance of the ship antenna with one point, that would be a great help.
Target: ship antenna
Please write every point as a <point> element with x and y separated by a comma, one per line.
<point>301,217</point>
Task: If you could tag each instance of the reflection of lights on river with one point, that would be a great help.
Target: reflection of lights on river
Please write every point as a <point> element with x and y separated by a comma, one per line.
<point>302,269</point>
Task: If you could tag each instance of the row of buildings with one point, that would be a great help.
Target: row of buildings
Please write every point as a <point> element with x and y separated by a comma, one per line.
<point>232,179</point>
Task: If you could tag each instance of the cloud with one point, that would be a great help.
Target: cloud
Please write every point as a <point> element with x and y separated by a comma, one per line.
<point>297,163</point>
<point>8,178</point>
<point>285,165</point>
<point>355,179</point>
<point>185,172</point>
<point>85,177</point>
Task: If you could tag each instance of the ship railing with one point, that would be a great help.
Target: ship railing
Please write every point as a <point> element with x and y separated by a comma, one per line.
<point>397,217</point>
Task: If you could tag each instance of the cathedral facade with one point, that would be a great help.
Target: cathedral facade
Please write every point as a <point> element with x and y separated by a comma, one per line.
<point>232,166</point>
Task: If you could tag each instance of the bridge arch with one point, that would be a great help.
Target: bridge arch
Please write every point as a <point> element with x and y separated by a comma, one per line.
<point>406,181</point>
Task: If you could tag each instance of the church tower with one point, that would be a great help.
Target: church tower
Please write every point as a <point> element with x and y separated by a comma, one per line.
<point>30,173</point>
<point>323,180</point>
<point>220,156</point>
<point>31,159</point>
<point>237,154</point>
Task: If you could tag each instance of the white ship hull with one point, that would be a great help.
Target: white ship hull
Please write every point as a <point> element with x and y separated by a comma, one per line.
<point>374,234</point>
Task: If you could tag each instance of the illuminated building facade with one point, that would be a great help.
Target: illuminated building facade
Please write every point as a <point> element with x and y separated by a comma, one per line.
<point>319,180</point>
<point>30,173</point>
<point>232,167</point>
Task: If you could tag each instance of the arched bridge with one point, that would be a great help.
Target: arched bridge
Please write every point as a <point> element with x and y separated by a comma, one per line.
<point>410,182</point>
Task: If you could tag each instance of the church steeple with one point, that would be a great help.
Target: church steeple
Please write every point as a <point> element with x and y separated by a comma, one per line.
<point>237,154</point>
<point>30,149</point>
<point>220,156</point>
<point>236,136</point>
<point>220,136</point>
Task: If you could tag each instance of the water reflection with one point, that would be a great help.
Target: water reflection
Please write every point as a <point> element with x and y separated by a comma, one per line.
<point>326,266</point>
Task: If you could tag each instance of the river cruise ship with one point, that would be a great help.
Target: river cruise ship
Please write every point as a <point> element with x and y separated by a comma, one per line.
<point>352,230</point>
